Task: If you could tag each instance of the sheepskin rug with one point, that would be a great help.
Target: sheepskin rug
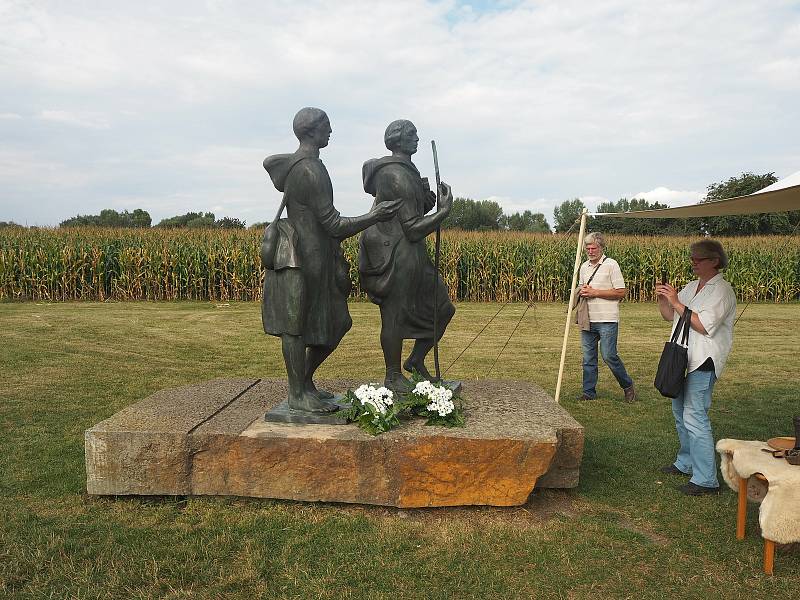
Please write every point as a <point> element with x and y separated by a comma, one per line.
<point>779,516</point>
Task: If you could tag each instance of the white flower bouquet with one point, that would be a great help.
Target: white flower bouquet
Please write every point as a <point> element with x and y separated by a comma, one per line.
<point>373,408</point>
<point>437,403</point>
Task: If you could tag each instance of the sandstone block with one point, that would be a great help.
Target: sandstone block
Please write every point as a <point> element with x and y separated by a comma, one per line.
<point>211,439</point>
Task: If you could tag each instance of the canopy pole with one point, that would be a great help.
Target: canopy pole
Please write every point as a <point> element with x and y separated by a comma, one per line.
<point>571,302</point>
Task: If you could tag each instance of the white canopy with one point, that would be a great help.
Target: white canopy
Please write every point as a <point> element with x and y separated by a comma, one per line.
<point>781,196</point>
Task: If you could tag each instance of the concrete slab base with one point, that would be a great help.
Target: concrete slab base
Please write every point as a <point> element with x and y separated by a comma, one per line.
<point>211,439</point>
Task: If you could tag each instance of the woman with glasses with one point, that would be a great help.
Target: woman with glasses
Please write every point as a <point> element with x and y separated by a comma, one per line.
<point>713,304</point>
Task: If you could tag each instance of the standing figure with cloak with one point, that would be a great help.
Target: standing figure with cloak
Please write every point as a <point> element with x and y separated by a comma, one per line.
<point>393,261</point>
<point>307,280</point>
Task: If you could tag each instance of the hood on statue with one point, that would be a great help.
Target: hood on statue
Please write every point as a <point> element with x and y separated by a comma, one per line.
<point>373,165</point>
<point>279,165</point>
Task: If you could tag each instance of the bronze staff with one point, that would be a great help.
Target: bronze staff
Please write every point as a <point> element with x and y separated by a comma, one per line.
<point>436,256</point>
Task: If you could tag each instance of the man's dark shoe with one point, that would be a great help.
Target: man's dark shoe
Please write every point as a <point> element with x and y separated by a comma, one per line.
<point>673,470</point>
<point>584,397</point>
<point>692,489</point>
<point>630,394</point>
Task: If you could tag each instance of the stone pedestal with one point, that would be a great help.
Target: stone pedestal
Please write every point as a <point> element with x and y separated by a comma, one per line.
<point>211,439</point>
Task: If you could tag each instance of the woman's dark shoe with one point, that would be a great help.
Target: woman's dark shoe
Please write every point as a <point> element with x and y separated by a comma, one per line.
<point>692,489</point>
<point>673,470</point>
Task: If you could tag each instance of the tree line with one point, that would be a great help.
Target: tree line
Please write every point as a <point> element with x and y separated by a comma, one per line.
<point>487,215</point>
<point>141,218</point>
<point>467,214</point>
<point>471,215</point>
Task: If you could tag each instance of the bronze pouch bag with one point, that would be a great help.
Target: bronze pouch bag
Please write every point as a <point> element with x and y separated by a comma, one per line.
<point>269,245</point>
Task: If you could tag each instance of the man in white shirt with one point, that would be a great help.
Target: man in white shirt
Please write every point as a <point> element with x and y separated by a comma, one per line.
<point>603,286</point>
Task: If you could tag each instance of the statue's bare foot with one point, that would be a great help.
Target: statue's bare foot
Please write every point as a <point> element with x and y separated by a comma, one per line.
<point>308,402</point>
<point>321,394</point>
<point>419,368</point>
<point>398,383</point>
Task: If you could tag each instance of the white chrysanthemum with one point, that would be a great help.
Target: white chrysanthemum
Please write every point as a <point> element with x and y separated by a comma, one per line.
<point>385,394</point>
<point>435,394</point>
<point>362,391</point>
<point>380,398</point>
<point>442,406</point>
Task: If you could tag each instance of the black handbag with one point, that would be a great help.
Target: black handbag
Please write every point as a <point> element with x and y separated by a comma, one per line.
<point>671,372</point>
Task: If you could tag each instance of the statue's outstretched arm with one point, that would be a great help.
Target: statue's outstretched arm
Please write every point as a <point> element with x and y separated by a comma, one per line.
<point>340,227</point>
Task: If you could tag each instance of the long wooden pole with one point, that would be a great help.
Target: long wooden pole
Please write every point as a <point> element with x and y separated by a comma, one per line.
<point>571,302</point>
<point>436,256</point>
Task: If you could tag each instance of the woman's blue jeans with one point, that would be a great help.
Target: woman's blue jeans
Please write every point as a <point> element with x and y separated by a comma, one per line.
<point>606,334</point>
<point>696,455</point>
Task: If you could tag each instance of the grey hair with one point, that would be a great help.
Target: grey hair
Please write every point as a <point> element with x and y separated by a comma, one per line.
<point>306,120</point>
<point>595,238</point>
<point>394,131</point>
<point>709,248</point>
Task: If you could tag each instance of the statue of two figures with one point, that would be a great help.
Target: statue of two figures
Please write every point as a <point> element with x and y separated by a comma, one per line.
<point>307,280</point>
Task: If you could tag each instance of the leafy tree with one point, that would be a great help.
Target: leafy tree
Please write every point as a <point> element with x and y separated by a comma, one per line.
<point>190,219</point>
<point>746,183</point>
<point>472,215</point>
<point>206,221</point>
<point>9,225</point>
<point>109,217</point>
<point>80,220</point>
<point>140,218</point>
<point>639,226</point>
<point>230,223</point>
<point>259,225</point>
<point>756,224</point>
<point>489,213</point>
<point>566,213</point>
<point>527,221</point>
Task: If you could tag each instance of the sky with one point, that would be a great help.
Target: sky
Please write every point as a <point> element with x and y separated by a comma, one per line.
<point>172,106</point>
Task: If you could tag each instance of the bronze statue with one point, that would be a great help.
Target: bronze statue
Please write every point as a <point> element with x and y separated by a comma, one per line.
<point>394,265</point>
<point>307,280</point>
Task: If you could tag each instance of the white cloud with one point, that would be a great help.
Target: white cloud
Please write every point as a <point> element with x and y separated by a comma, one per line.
<point>783,73</point>
<point>18,168</point>
<point>85,119</point>
<point>520,205</point>
<point>592,202</point>
<point>671,197</point>
<point>531,102</point>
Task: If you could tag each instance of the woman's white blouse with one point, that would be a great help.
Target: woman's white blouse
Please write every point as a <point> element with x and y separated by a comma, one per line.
<point>715,305</point>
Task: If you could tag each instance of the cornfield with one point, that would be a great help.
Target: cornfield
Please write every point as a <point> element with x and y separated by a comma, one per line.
<point>224,265</point>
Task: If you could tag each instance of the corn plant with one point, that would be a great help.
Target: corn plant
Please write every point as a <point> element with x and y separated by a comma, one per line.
<point>221,265</point>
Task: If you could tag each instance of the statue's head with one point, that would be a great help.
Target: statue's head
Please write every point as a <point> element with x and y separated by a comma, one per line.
<point>312,124</point>
<point>401,136</point>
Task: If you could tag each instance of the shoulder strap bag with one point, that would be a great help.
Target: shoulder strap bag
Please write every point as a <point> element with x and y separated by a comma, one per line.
<point>269,241</point>
<point>582,305</point>
<point>671,372</point>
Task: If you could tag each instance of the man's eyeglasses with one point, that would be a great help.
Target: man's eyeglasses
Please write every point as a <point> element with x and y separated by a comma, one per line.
<point>697,259</point>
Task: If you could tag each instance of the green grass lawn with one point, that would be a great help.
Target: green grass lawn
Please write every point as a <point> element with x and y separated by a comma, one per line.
<point>624,532</point>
